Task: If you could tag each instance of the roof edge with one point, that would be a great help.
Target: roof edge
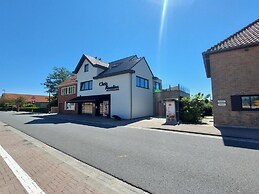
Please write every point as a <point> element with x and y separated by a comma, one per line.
<point>114,74</point>
<point>231,36</point>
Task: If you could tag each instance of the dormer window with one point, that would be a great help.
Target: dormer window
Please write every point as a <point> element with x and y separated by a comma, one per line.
<point>86,68</point>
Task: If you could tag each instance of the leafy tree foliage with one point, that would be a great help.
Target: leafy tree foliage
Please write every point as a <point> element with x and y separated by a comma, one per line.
<point>19,102</point>
<point>194,108</point>
<point>59,75</point>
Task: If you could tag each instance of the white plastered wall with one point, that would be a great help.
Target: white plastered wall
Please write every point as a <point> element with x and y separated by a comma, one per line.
<point>142,99</point>
<point>120,99</point>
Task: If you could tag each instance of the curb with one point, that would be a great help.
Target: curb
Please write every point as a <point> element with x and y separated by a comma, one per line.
<point>98,177</point>
<point>205,134</point>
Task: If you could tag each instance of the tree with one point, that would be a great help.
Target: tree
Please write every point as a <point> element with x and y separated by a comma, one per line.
<point>19,102</point>
<point>59,75</point>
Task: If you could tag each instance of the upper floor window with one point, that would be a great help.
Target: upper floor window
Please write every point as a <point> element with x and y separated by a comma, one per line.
<point>142,82</point>
<point>157,86</point>
<point>68,90</point>
<point>86,68</point>
<point>88,85</point>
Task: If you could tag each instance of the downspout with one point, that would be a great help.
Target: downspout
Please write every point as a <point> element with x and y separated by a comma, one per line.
<point>131,96</point>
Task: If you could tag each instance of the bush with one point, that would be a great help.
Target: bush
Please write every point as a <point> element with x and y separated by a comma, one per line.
<point>193,109</point>
<point>34,109</point>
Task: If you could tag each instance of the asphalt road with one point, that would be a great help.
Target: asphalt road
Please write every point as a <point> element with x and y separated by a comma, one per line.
<point>156,161</point>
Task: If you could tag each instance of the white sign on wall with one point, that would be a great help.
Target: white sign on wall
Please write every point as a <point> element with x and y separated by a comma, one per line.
<point>222,103</point>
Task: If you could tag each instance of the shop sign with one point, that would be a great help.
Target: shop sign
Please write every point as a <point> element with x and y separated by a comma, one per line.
<point>109,88</point>
<point>222,103</point>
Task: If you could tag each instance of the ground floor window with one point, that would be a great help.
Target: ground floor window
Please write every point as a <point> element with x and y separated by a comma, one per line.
<point>250,102</point>
<point>87,108</point>
<point>245,103</point>
<point>69,106</point>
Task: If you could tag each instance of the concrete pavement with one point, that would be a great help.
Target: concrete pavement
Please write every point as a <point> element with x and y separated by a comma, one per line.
<point>206,128</point>
<point>38,168</point>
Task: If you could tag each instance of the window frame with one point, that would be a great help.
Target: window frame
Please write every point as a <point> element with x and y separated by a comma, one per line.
<point>65,106</point>
<point>86,67</point>
<point>68,90</point>
<point>157,84</point>
<point>142,82</point>
<point>88,85</point>
<point>250,102</point>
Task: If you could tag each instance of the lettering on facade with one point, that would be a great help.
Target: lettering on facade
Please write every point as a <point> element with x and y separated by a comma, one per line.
<point>109,88</point>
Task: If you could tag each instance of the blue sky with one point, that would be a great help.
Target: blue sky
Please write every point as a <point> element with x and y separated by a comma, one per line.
<point>37,35</point>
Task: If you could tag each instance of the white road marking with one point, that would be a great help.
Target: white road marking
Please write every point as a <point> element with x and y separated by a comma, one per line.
<point>29,185</point>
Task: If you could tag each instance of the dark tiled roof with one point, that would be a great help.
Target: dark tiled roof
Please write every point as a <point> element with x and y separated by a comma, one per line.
<point>248,36</point>
<point>120,66</point>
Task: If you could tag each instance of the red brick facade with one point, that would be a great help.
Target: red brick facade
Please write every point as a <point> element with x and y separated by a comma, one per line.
<point>63,98</point>
<point>234,72</point>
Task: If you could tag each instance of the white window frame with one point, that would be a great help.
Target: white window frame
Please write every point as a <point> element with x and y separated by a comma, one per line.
<point>68,90</point>
<point>69,106</point>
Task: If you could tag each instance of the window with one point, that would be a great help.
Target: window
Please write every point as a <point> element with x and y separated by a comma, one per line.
<point>68,90</point>
<point>88,85</point>
<point>69,106</point>
<point>86,68</point>
<point>142,82</point>
<point>157,86</point>
<point>250,102</point>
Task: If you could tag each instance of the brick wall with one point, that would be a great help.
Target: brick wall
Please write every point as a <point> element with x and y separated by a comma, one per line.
<point>234,73</point>
<point>64,98</point>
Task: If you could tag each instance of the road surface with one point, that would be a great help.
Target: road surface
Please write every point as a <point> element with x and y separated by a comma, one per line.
<point>156,161</point>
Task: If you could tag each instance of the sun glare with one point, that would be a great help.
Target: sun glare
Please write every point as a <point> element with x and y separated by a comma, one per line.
<point>162,22</point>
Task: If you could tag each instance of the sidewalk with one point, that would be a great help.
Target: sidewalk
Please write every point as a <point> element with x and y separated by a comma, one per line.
<point>202,129</point>
<point>160,124</point>
<point>34,167</point>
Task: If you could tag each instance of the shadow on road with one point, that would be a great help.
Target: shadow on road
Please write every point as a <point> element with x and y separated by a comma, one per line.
<point>81,120</point>
<point>240,137</point>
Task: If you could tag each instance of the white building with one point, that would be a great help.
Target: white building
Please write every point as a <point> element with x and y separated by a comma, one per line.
<point>123,87</point>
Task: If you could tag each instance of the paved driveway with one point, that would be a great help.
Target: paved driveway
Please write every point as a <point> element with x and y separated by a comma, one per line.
<point>156,161</point>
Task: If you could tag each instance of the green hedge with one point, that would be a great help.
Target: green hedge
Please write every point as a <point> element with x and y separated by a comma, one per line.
<point>25,109</point>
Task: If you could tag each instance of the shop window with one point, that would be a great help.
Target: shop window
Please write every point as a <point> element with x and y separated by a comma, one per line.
<point>88,85</point>
<point>245,103</point>
<point>250,102</point>
<point>142,82</point>
<point>69,106</point>
<point>87,108</point>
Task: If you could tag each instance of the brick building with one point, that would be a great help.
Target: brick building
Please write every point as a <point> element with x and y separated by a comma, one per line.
<point>170,94</point>
<point>67,91</point>
<point>233,66</point>
<point>38,100</point>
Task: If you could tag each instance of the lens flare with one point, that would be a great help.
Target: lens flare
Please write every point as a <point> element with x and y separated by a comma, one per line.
<point>162,23</point>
